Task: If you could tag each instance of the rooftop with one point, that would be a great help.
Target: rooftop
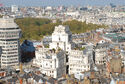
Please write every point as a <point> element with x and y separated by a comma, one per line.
<point>7,22</point>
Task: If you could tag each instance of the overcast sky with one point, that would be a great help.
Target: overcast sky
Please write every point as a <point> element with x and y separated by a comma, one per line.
<point>60,2</point>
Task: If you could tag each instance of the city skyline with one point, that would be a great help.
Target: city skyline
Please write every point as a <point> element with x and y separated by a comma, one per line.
<point>60,2</point>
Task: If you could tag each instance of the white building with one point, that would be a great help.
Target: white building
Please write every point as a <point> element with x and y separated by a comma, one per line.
<point>51,62</point>
<point>78,62</point>
<point>49,8</point>
<point>62,38</point>
<point>100,55</point>
<point>9,41</point>
<point>14,8</point>
<point>73,14</point>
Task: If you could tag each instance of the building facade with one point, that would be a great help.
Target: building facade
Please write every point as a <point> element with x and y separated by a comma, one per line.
<point>9,42</point>
<point>14,8</point>
<point>62,38</point>
<point>52,63</point>
<point>61,58</point>
<point>78,62</point>
<point>100,54</point>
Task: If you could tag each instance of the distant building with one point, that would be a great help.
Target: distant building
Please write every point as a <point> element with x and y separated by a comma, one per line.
<point>73,14</point>
<point>9,42</point>
<point>49,8</point>
<point>14,8</point>
<point>78,62</point>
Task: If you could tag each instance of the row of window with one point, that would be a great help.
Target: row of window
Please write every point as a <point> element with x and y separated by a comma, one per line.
<point>10,49</point>
<point>9,52</point>
<point>79,66</point>
<point>9,62</point>
<point>50,74</point>
<point>9,56</point>
<point>77,56</point>
<point>10,46</point>
<point>5,33</point>
<point>76,61</point>
<point>8,28</point>
<point>100,62</point>
<point>10,59</point>
<point>8,36</point>
<point>8,39</point>
<point>9,42</point>
<point>76,53</point>
<point>79,69</point>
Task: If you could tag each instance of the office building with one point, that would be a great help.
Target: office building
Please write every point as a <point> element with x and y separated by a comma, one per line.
<point>9,42</point>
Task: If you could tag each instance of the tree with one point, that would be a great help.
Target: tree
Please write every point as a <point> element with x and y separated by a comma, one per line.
<point>36,28</point>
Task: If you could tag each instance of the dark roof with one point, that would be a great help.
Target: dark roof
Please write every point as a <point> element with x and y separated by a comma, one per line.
<point>13,79</point>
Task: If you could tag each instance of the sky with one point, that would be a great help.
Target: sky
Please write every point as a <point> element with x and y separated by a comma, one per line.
<point>60,2</point>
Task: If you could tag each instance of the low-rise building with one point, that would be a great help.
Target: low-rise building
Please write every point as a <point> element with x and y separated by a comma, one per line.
<point>78,62</point>
<point>116,65</point>
<point>100,54</point>
<point>51,62</point>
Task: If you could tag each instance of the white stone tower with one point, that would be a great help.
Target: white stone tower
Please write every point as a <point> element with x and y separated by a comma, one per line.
<point>61,38</point>
<point>9,42</point>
